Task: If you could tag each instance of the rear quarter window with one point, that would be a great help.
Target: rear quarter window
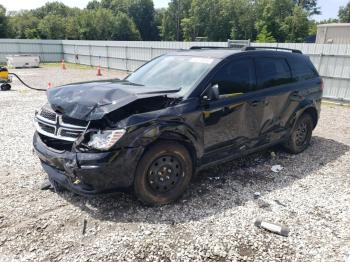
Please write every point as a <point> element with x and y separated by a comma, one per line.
<point>302,68</point>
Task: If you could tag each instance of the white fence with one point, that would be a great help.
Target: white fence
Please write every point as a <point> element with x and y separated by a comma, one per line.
<point>332,61</point>
<point>48,50</point>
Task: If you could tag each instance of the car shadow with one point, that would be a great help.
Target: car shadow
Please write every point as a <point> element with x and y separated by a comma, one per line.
<point>219,188</point>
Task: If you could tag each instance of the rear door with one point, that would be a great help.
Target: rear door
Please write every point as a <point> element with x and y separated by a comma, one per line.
<point>275,82</point>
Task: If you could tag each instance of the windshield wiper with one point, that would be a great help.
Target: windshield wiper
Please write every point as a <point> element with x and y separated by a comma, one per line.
<point>170,91</point>
<point>127,82</point>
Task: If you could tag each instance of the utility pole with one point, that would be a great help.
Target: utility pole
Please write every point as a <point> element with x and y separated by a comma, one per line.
<point>178,20</point>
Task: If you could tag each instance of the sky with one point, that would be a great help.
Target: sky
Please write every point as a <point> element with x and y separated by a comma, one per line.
<point>329,8</point>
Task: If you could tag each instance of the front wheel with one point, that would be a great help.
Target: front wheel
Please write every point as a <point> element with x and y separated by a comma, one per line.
<point>163,173</point>
<point>301,135</point>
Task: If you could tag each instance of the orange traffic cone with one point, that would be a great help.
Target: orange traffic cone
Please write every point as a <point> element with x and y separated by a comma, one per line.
<point>49,85</point>
<point>99,71</point>
<point>63,65</point>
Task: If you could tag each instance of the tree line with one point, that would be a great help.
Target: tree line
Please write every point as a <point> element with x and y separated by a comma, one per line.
<point>183,20</point>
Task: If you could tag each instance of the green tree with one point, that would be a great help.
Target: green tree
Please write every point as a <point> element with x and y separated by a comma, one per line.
<point>143,14</point>
<point>125,29</point>
<point>271,14</point>
<point>73,28</point>
<point>210,20</point>
<point>94,4</point>
<point>188,29</point>
<point>344,13</point>
<point>328,21</point>
<point>91,25</point>
<point>52,27</point>
<point>312,27</point>
<point>241,15</point>
<point>140,11</point>
<point>3,22</point>
<point>52,8</point>
<point>171,24</point>
<point>296,26</point>
<point>310,6</point>
<point>265,37</point>
<point>24,24</point>
<point>158,18</point>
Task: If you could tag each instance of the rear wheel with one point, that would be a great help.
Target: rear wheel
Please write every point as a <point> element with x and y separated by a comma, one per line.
<point>163,173</point>
<point>300,137</point>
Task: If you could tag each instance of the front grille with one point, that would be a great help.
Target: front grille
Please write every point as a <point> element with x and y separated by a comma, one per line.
<point>70,133</point>
<point>53,125</point>
<point>48,114</point>
<point>61,145</point>
<point>47,128</point>
<point>73,121</point>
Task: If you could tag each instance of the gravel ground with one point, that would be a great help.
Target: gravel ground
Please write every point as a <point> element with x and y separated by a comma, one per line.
<point>214,221</point>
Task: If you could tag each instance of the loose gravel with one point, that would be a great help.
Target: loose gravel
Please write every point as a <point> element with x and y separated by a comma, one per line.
<point>213,221</point>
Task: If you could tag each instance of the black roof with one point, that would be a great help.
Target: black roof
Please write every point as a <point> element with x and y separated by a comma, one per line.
<point>222,53</point>
<point>209,53</point>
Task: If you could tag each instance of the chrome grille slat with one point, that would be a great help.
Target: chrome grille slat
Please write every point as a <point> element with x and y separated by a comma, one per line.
<point>51,124</point>
<point>47,114</point>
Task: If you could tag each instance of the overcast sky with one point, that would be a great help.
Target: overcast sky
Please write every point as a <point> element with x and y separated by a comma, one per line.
<point>329,7</point>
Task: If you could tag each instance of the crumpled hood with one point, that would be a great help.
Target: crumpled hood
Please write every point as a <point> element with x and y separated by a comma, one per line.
<point>92,100</point>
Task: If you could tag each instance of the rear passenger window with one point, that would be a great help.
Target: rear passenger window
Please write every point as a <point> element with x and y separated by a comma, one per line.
<point>301,69</point>
<point>236,77</point>
<point>272,72</point>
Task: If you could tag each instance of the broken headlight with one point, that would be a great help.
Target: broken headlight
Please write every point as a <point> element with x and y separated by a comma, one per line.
<point>104,140</point>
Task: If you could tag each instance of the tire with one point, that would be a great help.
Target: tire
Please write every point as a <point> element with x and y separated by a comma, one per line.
<point>5,87</point>
<point>301,135</point>
<point>163,173</point>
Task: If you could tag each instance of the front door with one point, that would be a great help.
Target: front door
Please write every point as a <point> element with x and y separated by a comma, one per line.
<point>232,121</point>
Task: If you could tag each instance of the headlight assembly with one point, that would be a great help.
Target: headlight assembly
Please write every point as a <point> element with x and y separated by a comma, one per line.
<point>104,140</point>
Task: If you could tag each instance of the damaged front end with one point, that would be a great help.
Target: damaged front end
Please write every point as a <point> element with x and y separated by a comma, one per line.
<point>85,137</point>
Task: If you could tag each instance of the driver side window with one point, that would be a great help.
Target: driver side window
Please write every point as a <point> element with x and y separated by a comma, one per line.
<point>236,77</point>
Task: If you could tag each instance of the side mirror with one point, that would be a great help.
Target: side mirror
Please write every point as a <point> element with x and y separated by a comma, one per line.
<point>211,94</point>
<point>215,92</point>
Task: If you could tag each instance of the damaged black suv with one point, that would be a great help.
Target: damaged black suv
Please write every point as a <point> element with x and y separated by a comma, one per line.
<point>174,116</point>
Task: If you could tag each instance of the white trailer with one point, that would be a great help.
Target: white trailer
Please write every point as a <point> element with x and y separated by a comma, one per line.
<point>336,33</point>
<point>20,61</point>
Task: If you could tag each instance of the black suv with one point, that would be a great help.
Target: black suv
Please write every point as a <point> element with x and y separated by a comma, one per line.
<point>175,115</point>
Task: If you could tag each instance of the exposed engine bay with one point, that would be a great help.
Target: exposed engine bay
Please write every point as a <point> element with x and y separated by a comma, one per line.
<point>71,118</point>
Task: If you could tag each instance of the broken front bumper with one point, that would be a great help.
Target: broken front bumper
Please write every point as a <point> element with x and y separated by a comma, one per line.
<point>88,173</point>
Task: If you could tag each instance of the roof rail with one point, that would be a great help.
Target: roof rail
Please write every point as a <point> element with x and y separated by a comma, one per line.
<point>251,48</point>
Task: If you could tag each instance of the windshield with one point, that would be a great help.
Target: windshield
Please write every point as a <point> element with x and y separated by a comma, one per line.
<point>172,72</point>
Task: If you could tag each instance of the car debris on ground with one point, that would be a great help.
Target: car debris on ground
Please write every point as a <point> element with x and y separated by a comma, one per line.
<point>274,228</point>
<point>276,168</point>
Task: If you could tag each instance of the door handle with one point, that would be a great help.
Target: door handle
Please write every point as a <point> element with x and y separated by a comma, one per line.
<point>255,103</point>
<point>296,95</point>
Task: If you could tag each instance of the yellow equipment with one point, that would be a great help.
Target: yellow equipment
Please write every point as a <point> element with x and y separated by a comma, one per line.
<point>4,79</point>
<point>4,74</point>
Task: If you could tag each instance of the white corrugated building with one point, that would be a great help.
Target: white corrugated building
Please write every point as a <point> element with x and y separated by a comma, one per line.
<point>336,33</point>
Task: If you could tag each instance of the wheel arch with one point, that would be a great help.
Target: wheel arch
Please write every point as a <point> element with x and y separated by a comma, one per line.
<point>313,113</point>
<point>181,139</point>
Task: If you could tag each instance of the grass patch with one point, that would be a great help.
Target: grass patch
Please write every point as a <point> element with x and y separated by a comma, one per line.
<point>68,65</point>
